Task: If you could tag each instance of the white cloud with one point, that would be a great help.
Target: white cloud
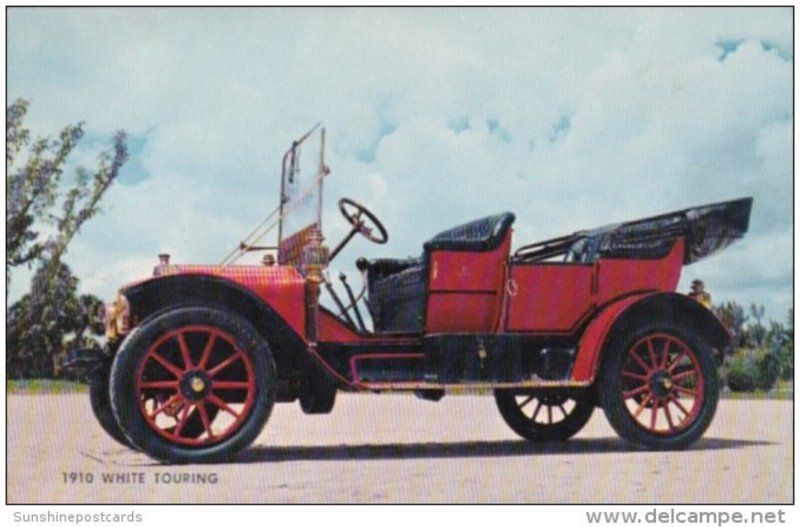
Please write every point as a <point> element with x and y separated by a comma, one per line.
<point>569,117</point>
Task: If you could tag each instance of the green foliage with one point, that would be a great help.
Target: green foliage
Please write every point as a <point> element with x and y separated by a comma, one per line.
<point>43,215</point>
<point>772,347</point>
<point>733,317</point>
<point>35,200</point>
<point>756,333</point>
<point>742,373</point>
<point>784,348</point>
<point>47,323</point>
<point>767,367</point>
<point>44,386</point>
<point>751,370</point>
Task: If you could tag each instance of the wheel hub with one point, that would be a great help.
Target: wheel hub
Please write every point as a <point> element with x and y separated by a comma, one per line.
<point>661,384</point>
<point>195,385</point>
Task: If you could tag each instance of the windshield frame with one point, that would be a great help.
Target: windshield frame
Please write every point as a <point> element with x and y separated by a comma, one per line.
<point>300,207</point>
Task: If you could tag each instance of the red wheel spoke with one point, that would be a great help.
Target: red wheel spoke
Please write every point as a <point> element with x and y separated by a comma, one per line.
<point>642,405</point>
<point>159,384</point>
<point>212,339</point>
<point>187,358</point>
<point>654,414</point>
<point>679,405</point>
<point>184,418</point>
<point>633,375</point>
<point>668,414</point>
<point>636,391</point>
<point>639,361</point>
<point>177,372</point>
<point>677,361</point>
<point>201,407</point>
<point>683,375</point>
<point>224,364</point>
<point>687,391</point>
<point>652,352</point>
<point>230,385</point>
<point>222,404</point>
<point>665,355</point>
<point>526,402</point>
<point>536,411</point>
<point>166,404</point>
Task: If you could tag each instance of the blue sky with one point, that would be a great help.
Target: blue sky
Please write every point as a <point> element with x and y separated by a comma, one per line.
<point>571,118</point>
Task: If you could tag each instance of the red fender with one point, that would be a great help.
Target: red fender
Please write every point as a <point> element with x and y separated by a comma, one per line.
<point>590,346</point>
<point>654,305</point>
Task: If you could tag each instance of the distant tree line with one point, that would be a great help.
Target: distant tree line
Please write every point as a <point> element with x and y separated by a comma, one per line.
<point>760,353</point>
<point>43,214</point>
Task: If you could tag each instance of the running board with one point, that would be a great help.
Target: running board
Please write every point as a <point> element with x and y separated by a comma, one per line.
<point>471,387</point>
<point>453,361</point>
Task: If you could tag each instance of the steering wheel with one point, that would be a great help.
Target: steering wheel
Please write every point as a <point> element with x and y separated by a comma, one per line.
<point>356,219</point>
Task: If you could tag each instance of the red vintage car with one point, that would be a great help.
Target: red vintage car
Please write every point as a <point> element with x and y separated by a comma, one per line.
<point>197,355</point>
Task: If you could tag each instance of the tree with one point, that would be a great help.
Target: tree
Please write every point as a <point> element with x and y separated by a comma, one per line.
<point>43,215</point>
<point>781,341</point>
<point>733,317</point>
<point>34,195</point>
<point>48,322</point>
<point>756,332</point>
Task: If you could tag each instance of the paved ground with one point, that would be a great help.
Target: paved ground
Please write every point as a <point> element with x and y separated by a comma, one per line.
<point>398,449</point>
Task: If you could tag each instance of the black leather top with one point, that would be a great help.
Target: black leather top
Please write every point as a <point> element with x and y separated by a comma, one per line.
<point>485,234</point>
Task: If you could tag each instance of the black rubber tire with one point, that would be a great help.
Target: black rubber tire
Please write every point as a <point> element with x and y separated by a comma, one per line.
<point>612,386</point>
<point>134,350</point>
<point>526,425</point>
<point>101,407</point>
<point>318,398</point>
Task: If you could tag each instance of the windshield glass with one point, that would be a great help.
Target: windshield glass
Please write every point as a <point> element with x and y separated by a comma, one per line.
<point>301,195</point>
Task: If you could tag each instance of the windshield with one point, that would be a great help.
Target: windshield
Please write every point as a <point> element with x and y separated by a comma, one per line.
<point>301,195</point>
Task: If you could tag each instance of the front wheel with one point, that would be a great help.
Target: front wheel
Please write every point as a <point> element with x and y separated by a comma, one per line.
<point>187,367</point>
<point>545,415</point>
<point>101,407</point>
<point>659,386</point>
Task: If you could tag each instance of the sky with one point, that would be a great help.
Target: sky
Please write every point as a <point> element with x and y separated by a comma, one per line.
<point>569,117</point>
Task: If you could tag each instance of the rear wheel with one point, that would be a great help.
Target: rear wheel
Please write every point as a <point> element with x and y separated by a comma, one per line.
<point>193,385</point>
<point>545,415</point>
<point>659,387</point>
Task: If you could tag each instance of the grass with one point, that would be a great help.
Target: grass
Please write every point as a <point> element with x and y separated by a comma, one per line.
<point>43,386</point>
<point>784,390</point>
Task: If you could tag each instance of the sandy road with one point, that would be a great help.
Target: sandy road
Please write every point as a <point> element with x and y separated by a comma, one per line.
<point>398,449</point>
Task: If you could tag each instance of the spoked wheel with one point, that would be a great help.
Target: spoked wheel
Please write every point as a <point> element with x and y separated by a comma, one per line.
<point>659,387</point>
<point>193,385</point>
<point>545,416</point>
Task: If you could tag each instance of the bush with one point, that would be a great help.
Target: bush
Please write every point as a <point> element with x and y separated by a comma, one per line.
<point>752,370</point>
<point>742,373</point>
<point>768,366</point>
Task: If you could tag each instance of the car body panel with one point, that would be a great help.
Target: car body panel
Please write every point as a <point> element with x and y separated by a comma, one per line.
<point>465,289</point>
<point>282,288</point>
